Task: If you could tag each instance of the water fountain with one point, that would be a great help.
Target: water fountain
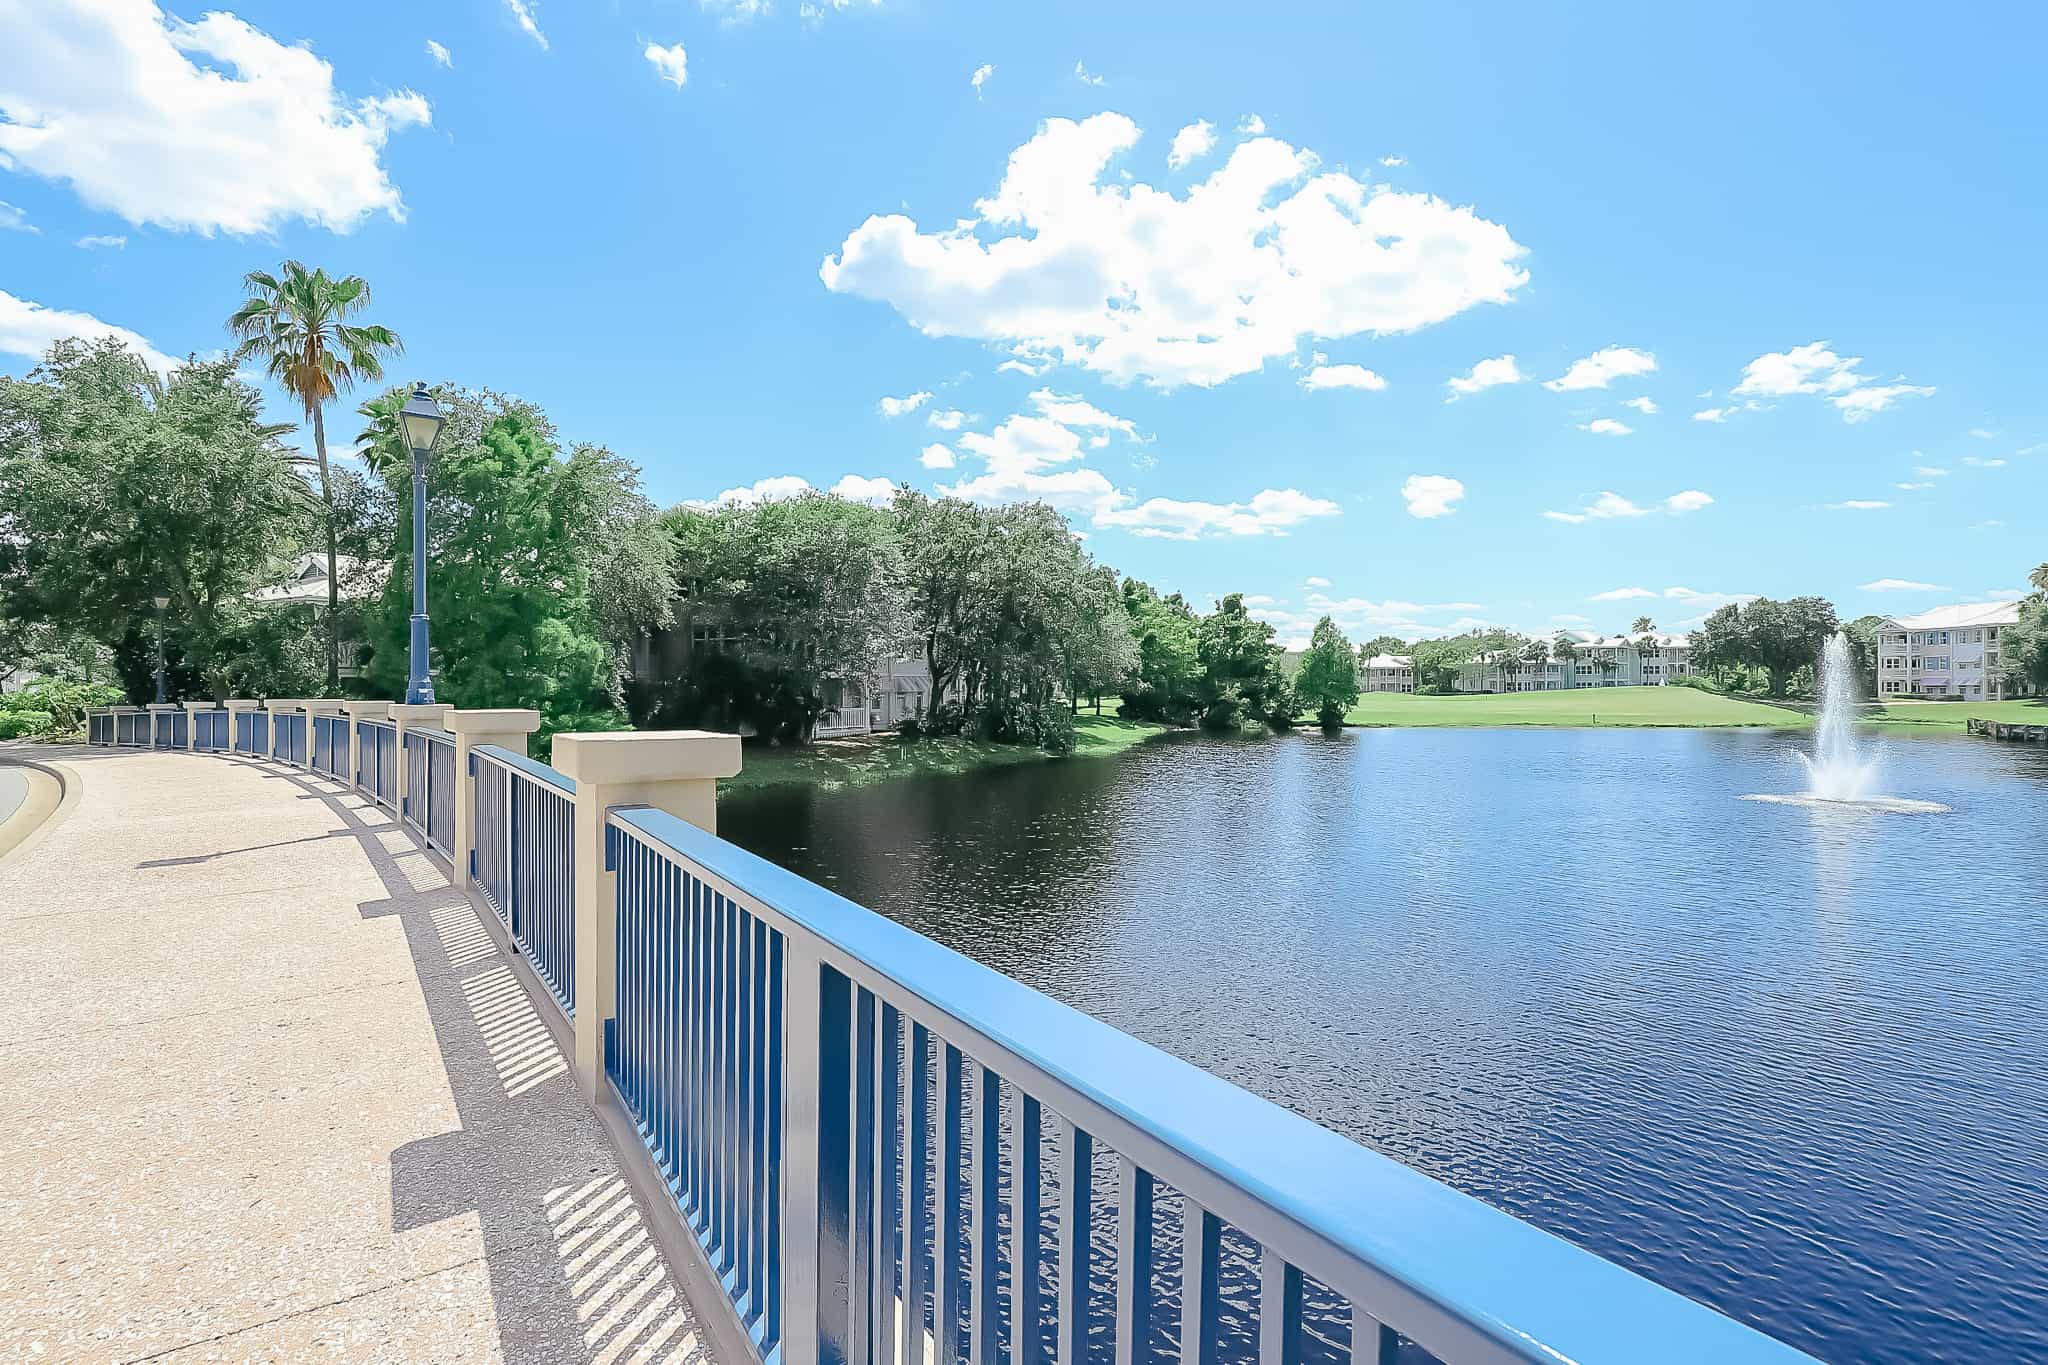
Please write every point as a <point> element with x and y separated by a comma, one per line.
<point>1838,772</point>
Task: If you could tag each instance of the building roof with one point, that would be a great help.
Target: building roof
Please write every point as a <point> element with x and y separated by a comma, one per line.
<point>306,581</point>
<point>1390,661</point>
<point>1629,641</point>
<point>1961,616</point>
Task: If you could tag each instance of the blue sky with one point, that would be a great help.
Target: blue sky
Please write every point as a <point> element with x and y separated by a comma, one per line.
<point>1201,275</point>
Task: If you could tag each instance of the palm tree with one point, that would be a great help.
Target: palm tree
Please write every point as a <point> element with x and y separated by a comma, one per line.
<point>1537,654</point>
<point>1566,651</point>
<point>296,323</point>
<point>2039,578</point>
<point>1643,626</point>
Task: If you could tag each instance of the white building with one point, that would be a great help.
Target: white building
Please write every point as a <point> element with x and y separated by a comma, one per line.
<point>1949,652</point>
<point>1605,661</point>
<point>1387,673</point>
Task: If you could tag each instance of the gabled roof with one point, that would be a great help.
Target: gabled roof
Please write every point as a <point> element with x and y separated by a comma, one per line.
<point>1390,661</point>
<point>1961,616</point>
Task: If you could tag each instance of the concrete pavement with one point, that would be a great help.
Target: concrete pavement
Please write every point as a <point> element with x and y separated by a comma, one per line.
<point>269,1092</point>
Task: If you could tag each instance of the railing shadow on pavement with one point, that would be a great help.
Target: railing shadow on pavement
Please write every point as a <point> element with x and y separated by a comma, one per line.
<point>574,1273</point>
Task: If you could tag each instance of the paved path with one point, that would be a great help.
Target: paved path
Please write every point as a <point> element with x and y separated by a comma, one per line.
<point>268,1092</point>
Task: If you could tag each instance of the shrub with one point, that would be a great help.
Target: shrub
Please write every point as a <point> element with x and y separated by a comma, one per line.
<point>62,703</point>
<point>15,723</point>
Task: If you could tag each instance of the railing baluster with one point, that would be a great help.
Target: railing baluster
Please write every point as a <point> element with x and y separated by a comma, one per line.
<point>1027,1227</point>
<point>766,1078</point>
<point>1134,1264</point>
<point>1201,1253</point>
<point>781,1073</point>
<point>946,1228</point>
<point>743,1116</point>
<point>888,1082</point>
<point>860,1327</point>
<point>1279,1310</point>
<point>917,1190</point>
<point>1077,1221</point>
<point>985,1345</point>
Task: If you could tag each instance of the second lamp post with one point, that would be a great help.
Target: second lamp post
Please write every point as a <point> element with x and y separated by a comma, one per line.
<point>419,421</point>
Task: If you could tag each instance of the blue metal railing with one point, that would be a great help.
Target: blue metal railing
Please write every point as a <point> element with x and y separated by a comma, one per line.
<point>210,730</point>
<point>99,727</point>
<point>330,746</point>
<point>131,728</point>
<point>525,860</point>
<point>167,729</point>
<point>959,1142</point>
<point>252,733</point>
<point>377,760</point>
<point>291,738</point>
<point>429,805</point>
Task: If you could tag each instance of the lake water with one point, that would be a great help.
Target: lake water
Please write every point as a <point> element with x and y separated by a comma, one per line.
<point>1792,1062</point>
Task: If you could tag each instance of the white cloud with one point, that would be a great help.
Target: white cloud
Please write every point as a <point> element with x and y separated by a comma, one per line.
<point>874,492</point>
<point>946,419</point>
<point>30,329</point>
<point>1270,512</point>
<point>1928,471</point>
<point>1363,616</point>
<point>1815,369</point>
<point>670,63</point>
<point>1191,143</point>
<point>1314,582</point>
<point>2006,594</point>
<point>1621,595</point>
<point>1645,406</point>
<point>1711,415</point>
<point>1611,506</point>
<point>896,407</point>
<point>981,76</point>
<point>936,456</point>
<point>1431,495</point>
<point>1251,125</point>
<point>745,11</point>
<point>13,219</point>
<point>1983,433</point>
<point>523,12</point>
<point>439,54</point>
<point>1485,375</point>
<point>1021,367</point>
<point>1342,377</point>
<point>1138,283</point>
<point>1689,598</point>
<point>1567,618</point>
<point>1602,368</point>
<point>205,126</point>
<point>1899,585</point>
<point>1858,505</point>
<point>851,486</point>
<point>1070,411</point>
<point>1913,487</point>
<point>1084,75</point>
<point>1607,426</point>
<point>103,242</point>
<point>1975,463</point>
<point>1393,161</point>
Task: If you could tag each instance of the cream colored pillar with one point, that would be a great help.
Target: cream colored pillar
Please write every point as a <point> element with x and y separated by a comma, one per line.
<point>193,710</point>
<point>280,707</point>
<point>413,716</point>
<point>507,729</point>
<point>157,711</point>
<point>237,708</point>
<point>324,706</point>
<point>672,770</point>
<point>361,710</point>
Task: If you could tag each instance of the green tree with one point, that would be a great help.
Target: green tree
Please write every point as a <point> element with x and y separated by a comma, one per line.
<point>1717,645</point>
<point>1566,651</point>
<point>1101,651</point>
<point>296,322</point>
<point>1241,678</point>
<point>1169,664</point>
<point>117,484</point>
<point>515,534</point>
<point>2023,646</point>
<point>1783,637</point>
<point>1382,644</point>
<point>1328,677</point>
<point>1642,625</point>
<point>1536,653</point>
<point>1862,633</point>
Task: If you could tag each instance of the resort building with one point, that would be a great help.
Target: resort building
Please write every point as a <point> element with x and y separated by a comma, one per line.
<point>304,584</point>
<point>1605,661</point>
<point>1949,652</point>
<point>1387,673</point>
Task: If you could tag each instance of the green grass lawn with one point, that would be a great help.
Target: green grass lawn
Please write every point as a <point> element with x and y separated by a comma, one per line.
<point>857,762</point>
<point>1582,706</point>
<point>1950,715</point>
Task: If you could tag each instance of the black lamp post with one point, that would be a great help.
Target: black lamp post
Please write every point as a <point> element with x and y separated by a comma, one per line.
<point>419,421</point>
<point>163,600</point>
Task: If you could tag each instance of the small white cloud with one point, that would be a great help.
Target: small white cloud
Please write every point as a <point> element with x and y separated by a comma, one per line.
<point>1431,495</point>
<point>101,242</point>
<point>671,63</point>
<point>13,219</point>
<point>1085,76</point>
<point>1858,404</point>
<point>1621,595</point>
<point>896,407</point>
<point>1983,433</point>
<point>1485,375</point>
<point>1251,125</point>
<point>1975,463</point>
<point>1913,487</point>
<point>29,329</point>
<point>1393,161</point>
<point>1816,369</point>
<point>1610,506</point>
<point>1858,505</point>
<point>874,492</point>
<point>1342,377</point>
<point>1928,471</point>
<point>1021,367</point>
<point>981,77</point>
<point>2007,594</point>
<point>1314,582</point>
<point>1271,511</point>
<point>523,12</point>
<point>1645,406</point>
<point>1602,368</point>
<point>1711,415</point>
<point>1568,618</point>
<point>946,419</point>
<point>1691,500</point>
<point>936,456</point>
<point>439,54</point>
<point>1899,585</point>
<point>1191,143</point>
<point>1607,426</point>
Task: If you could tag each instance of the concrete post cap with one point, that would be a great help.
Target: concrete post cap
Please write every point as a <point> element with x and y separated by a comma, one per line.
<point>241,703</point>
<point>647,756</point>
<point>276,704</point>
<point>367,710</point>
<point>321,706</point>
<point>411,713</point>
<point>163,706</point>
<point>504,720</point>
<point>196,706</point>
